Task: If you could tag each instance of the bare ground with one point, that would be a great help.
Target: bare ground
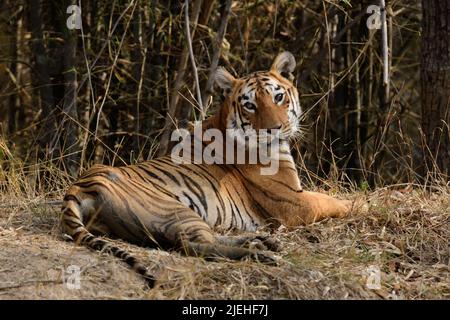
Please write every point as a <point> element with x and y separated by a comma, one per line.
<point>405,235</point>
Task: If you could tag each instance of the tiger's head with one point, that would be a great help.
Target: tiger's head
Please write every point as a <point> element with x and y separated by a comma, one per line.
<point>263,100</point>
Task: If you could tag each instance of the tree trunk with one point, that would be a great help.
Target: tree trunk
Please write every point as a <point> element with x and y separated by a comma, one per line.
<point>69,143</point>
<point>435,80</point>
<point>43,82</point>
<point>12,107</point>
<point>217,46</point>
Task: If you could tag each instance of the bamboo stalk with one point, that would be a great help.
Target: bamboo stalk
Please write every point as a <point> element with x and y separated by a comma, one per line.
<point>192,58</point>
<point>179,80</point>
<point>385,50</point>
<point>217,50</point>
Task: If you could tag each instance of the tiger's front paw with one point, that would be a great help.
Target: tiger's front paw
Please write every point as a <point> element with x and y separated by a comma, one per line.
<point>358,205</point>
<point>264,243</point>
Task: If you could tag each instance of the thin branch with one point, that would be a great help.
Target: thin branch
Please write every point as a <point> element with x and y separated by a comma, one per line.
<point>29,283</point>
<point>105,96</point>
<point>217,50</point>
<point>179,81</point>
<point>89,68</point>
<point>382,123</point>
<point>191,55</point>
<point>385,50</point>
<point>49,203</point>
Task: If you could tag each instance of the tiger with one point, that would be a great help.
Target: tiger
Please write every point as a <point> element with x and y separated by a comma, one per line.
<point>188,206</point>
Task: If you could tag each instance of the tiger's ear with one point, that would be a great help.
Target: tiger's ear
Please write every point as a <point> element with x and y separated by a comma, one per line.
<point>224,80</point>
<point>284,64</point>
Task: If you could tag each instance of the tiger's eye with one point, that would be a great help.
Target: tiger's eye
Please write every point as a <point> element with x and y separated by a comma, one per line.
<point>279,97</point>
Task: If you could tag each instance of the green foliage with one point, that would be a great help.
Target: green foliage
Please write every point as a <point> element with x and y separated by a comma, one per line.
<point>364,186</point>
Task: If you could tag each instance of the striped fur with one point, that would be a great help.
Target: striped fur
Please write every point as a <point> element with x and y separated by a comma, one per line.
<point>177,206</point>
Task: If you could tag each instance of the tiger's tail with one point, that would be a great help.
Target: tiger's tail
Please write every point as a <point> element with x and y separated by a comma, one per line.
<point>73,224</point>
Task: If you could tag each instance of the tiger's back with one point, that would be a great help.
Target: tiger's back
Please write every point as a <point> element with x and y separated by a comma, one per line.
<point>157,189</point>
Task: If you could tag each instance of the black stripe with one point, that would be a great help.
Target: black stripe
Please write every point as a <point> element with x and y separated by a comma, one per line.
<point>71,197</point>
<point>200,194</point>
<point>72,225</point>
<point>211,177</point>
<point>192,205</point>
<point>150,173</point>
<point>168,174</point>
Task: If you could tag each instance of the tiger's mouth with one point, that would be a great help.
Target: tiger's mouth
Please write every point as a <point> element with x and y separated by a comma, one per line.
<point>284,133</point>
<point>268,136</point>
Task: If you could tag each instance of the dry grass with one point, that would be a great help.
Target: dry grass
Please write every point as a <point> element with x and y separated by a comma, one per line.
<point>405,234</point>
